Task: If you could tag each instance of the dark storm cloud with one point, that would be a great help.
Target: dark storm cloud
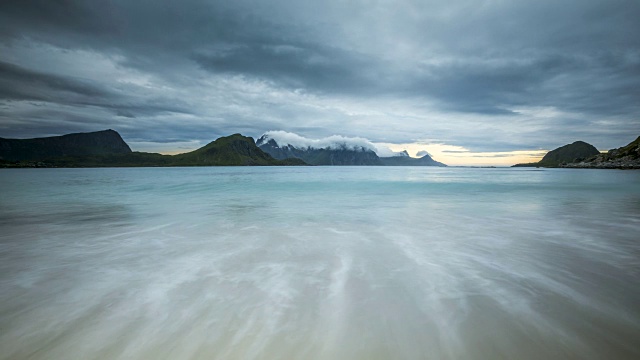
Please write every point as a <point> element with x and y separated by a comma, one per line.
<point>296,65</point>
<point>17,83</point>
<point>234,38</point>
<point>491,59</point>
<point>600,84</point>
<point>140,29</point>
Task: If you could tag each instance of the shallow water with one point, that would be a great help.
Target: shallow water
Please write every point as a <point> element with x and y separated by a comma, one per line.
<point>319,263</point>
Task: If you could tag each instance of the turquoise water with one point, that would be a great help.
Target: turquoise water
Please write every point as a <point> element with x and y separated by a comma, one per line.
<point>319,263</point>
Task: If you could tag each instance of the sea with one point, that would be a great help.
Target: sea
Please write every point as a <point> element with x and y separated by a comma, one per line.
<point>319,263</point>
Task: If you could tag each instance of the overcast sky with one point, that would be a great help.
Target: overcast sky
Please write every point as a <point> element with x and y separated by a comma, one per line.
<point>471,82</point>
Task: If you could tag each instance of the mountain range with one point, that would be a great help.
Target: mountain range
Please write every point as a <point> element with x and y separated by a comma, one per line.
<point>339,154</point>
<point>107,149</point>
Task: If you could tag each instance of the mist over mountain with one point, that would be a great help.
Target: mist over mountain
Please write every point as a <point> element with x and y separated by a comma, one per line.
<point>337,142</point>
<point>335,153</point>
<point>336,150</point>
<point>402,153</point>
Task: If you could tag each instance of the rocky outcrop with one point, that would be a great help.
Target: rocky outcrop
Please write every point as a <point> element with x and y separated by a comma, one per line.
<point>626,157</point>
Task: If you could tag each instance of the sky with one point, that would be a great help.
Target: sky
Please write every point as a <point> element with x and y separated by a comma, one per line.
<point>470,82</point>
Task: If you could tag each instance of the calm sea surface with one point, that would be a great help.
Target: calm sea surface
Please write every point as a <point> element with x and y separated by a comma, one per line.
<point>319,263</point>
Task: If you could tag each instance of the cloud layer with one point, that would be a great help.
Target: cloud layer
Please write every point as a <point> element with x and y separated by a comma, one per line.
<point>284,138</point>
<point>486,75</point>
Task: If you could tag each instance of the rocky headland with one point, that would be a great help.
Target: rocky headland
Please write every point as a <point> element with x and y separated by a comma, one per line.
<point>626,157</point>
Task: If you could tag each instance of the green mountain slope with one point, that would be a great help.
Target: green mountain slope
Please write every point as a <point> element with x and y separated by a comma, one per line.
<point>229,150</point>
<point>104,142</point>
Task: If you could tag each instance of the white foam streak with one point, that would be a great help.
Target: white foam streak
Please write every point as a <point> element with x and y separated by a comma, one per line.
<point>275,263</point>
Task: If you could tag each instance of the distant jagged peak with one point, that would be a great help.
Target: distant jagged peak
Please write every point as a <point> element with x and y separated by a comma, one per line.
<point>283,139</point>
<point>264,139</point>
<point>424,153</point>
